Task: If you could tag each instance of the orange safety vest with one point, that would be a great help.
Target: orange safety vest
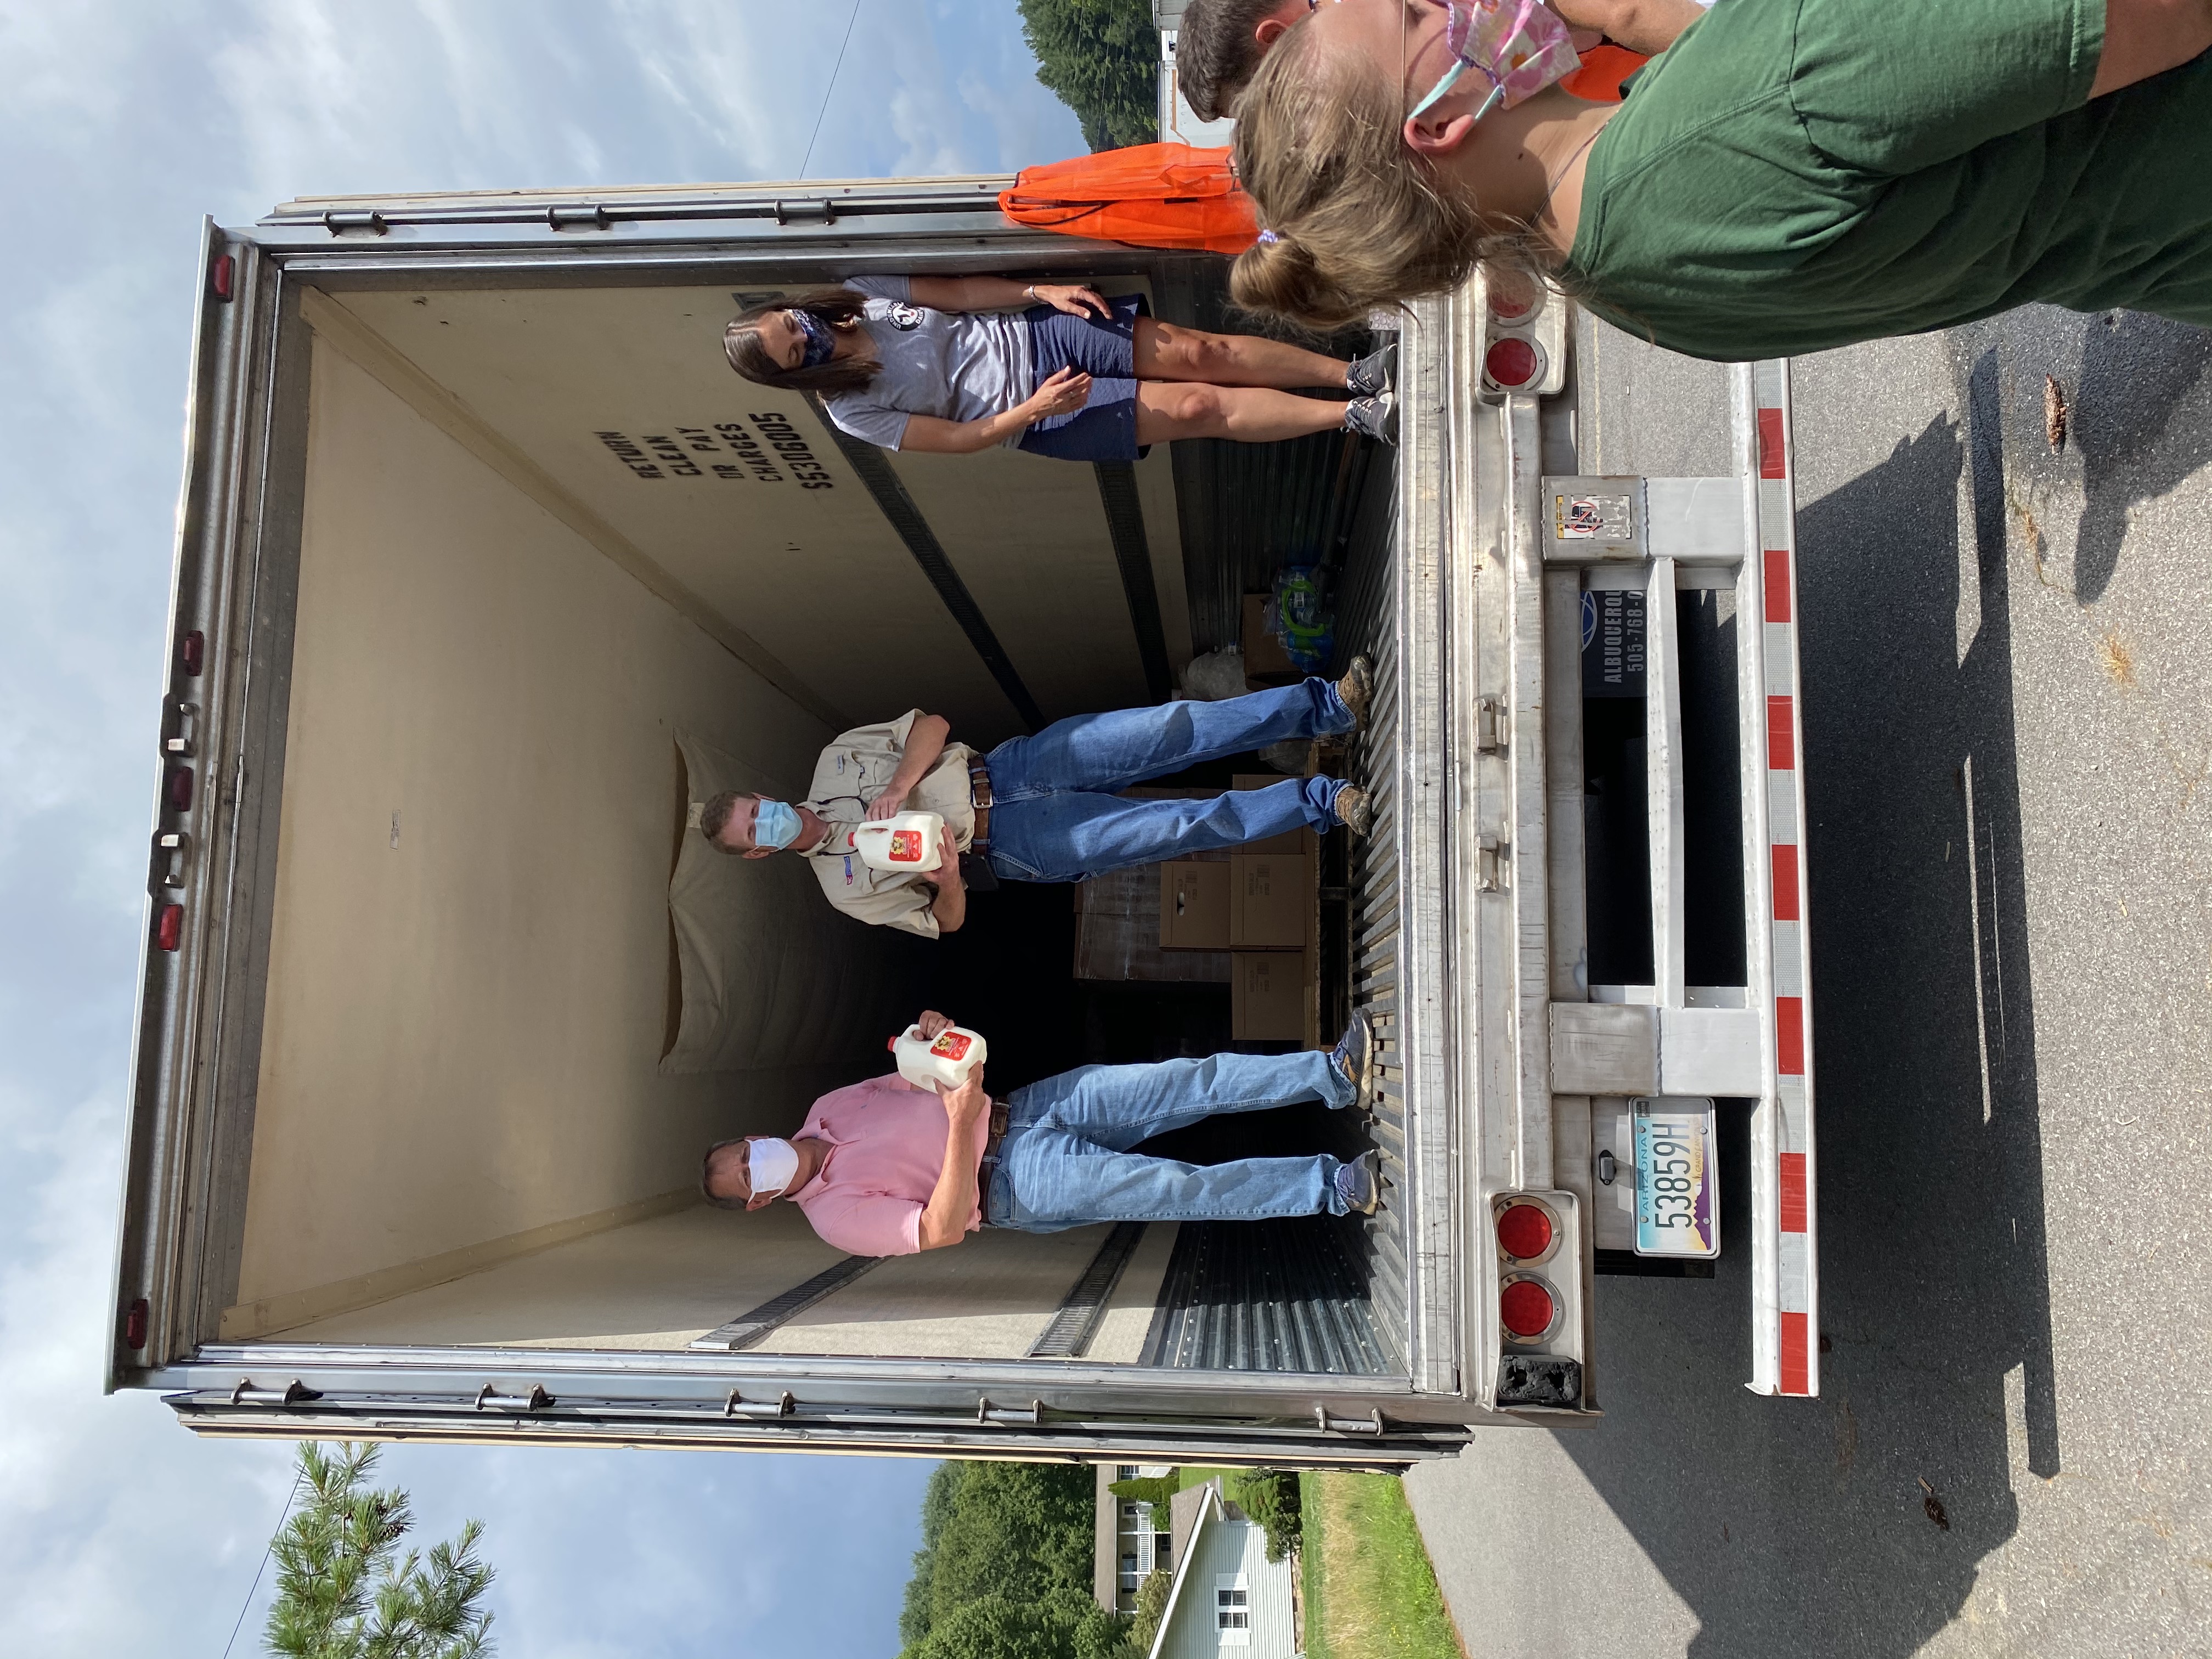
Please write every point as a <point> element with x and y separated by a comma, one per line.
<point>1170,196</point>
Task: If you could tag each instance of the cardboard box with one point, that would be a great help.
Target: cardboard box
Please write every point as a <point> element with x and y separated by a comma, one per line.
<point>1267,996</point>
<point>1195,905</point>
<point>1117,933</point>
<point>1270,897</point>
<point>1266,663</point>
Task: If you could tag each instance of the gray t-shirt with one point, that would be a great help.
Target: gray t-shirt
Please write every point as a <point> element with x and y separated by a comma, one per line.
<point>957,365</point>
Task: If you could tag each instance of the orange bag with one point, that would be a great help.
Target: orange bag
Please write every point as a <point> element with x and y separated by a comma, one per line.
<point>1604,68</point>
<point>1168,196</point>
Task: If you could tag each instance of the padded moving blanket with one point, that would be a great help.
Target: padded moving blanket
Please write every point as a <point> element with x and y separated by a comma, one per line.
<point>772,975</point>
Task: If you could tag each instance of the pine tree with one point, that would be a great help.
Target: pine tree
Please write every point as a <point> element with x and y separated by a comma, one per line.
<point>343,1591</point>
<point>1101,58</point>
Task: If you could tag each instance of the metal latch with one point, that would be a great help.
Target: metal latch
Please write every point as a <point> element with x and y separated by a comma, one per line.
<point>594,217</point>
<point>294,1392</point>
<point>986,1412</point>
<point>338,223</point>
<point>1490,856</point>
<point>489,1398</point>
<point>1370,1423</point>
<point>737,1405</point>
<point>1489,726</point>
<point>814,210</point>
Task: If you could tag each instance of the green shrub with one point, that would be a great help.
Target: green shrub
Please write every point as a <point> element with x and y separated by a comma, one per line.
<point>1270,1498</point>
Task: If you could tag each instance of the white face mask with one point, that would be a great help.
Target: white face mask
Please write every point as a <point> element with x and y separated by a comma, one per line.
<point>770,1164</point>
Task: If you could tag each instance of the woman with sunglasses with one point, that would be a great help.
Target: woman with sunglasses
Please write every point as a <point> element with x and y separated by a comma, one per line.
<point>1789,175</point>
<point>944,365</point>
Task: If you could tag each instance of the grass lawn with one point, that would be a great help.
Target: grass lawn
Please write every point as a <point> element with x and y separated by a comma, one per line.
<point>1188,1478</point>
<point>1369,1590</point>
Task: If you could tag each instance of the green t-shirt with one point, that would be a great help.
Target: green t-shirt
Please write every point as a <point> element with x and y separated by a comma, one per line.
<point>1797,174</point>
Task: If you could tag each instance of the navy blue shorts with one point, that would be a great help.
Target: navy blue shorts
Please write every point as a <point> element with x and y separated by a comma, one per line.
<point>1105,427</point>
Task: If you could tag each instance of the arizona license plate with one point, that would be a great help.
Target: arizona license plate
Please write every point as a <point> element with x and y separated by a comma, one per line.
<point>1678,1188</point>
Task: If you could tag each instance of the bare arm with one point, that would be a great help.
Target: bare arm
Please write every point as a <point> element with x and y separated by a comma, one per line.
<point>2143,38</point>
<point>1646,25</point>
<point>944,1218</point>
<point>949,907</point>
<point>1002,294</point>
<point>925,742</point>
<point>1062,394</point>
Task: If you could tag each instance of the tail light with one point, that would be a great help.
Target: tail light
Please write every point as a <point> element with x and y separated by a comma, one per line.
<point>135,1321</point>
<point>177,788</point>
<point>192,652</point>
<point>223,276</point>
<point>1525,1231</point>
<point>1527,1307</point>
<point>1511,301</point>
<point>170,931</point>
<point>1512,362</point>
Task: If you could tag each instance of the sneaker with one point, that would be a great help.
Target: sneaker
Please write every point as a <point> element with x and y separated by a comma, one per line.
<point>1359,1183</point>
<point>1353,810</point>
<point>1356,688</point>
<point>1354,1055</point>
<point>1374,374</point>
<point>1375,417</point>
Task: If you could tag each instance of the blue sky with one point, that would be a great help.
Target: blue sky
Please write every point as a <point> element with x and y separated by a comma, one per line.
<point>124,122</point>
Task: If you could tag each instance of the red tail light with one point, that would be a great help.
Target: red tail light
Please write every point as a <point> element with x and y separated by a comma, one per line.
<point>177,788</point>
<point>1512,363</point>
<point>1525,1308</point>
<point>170,931</point>
<point>191,651</point>
<point>134,1325</point>
<point>1510,299</point>
<point>1525,1231</point>
<point>222,278</point>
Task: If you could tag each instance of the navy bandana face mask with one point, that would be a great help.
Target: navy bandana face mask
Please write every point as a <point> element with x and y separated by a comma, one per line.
<point>821,339</point>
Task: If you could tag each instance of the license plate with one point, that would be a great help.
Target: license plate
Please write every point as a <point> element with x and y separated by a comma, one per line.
<point>1678,1188</point>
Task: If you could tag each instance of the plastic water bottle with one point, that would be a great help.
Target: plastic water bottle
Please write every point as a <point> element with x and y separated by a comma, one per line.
<point>947,1059</point>
<point>911,844</point>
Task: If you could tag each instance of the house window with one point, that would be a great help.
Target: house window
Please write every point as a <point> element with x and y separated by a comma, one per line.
<point>1125,1471</point>
<point>1129,1509</point>
<point>1232,1610</point>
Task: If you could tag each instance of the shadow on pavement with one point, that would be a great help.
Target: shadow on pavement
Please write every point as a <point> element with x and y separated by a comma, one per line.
<point>1803,1527</point>
<point>2137,371</point>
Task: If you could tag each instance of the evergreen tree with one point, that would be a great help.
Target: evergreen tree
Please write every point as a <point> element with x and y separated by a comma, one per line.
<point>343,1591</point>
<point>1102,57</point>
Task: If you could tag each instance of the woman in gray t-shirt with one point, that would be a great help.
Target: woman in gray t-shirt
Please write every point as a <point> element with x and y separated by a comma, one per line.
<point>942,364</point>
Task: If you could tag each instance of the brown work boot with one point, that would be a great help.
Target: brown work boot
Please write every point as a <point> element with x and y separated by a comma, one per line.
<point>1353,810</point>
<point>1356,688</point>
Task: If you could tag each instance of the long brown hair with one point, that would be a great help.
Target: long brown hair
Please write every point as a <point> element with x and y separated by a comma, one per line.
<point>1357,220</point>
<point>741,344</point>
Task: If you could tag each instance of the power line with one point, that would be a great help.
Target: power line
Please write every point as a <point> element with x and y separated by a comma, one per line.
<point>288,1499</point>
<point>831,87</point>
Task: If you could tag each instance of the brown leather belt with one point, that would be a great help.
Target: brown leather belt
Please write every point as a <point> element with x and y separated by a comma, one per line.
<point>1000,1116</point>
<point>979,790</point>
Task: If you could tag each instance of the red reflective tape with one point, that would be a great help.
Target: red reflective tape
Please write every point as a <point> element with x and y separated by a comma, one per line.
<point>1793,1192</point>
<point>1778,585</point>
<point>1796,1354</point>
<point>1785,883</point>
<point>1770,444</point>
<point>1781,739</point>
<point>1790,1035</point>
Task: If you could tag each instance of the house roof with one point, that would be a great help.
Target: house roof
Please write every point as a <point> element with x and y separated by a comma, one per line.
<point>1208,1508</point>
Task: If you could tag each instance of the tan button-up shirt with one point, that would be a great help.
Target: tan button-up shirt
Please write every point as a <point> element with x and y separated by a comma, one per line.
<point>852,773</point>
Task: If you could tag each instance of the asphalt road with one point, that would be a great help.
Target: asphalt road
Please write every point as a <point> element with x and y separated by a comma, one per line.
<point>2008,759</point>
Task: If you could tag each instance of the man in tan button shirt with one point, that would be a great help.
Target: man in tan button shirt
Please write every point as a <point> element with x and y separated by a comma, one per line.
<point>1046,807</point>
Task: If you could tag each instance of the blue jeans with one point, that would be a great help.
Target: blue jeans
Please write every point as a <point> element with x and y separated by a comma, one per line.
<point>1065,1160</point>
<point>1055,815</point>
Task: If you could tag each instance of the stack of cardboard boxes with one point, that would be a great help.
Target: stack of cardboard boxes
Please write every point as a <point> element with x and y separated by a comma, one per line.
<point>1262,905</point>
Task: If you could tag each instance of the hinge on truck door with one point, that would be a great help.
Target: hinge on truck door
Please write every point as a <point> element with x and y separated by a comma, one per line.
<point>1490,856</point>
<point>1489,726</point>
<point>815,210</point>
<point>295,1393</point>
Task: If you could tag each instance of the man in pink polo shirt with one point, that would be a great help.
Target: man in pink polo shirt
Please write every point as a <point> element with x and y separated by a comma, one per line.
<point>883,1168</point>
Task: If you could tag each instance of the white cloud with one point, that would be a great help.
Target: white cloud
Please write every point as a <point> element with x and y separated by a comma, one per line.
<point>124,121</point>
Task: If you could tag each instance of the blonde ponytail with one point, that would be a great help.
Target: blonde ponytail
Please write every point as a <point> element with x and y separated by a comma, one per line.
<point>1359,221</point>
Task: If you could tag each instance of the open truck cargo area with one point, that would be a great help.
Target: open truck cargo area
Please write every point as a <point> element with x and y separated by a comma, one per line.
<point>489,571</point>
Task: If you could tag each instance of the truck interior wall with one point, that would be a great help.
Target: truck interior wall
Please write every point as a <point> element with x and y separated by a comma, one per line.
<point>469,974</point>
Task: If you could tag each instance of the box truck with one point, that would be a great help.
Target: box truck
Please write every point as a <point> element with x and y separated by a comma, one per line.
<point>488,572</point>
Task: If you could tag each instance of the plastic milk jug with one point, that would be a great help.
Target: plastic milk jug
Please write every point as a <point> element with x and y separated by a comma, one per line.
<point>948,1061</point>
<point>911,843</point>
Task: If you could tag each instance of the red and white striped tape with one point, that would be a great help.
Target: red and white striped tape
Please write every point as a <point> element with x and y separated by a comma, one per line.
<point>1798,1285</point>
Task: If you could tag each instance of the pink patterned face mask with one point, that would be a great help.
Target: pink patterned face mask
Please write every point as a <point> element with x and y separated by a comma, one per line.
<point>1519,46</point>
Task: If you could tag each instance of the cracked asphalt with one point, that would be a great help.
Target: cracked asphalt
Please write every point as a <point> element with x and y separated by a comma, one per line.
<point>2009,758</point>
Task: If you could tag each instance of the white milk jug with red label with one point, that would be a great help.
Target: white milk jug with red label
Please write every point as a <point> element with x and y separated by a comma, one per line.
<point>948,1058</point>
<point>911,844</point>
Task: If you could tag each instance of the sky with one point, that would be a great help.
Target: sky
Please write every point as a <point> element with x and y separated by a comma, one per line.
<point>123,122</point>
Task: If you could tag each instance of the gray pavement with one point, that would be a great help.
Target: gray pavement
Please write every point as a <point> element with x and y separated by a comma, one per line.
<point>2008,752</point>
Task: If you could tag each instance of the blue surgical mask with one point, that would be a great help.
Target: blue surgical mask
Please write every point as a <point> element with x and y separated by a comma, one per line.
<point>1518,45</point>
<point>821,339</point>
<point>776,824</point>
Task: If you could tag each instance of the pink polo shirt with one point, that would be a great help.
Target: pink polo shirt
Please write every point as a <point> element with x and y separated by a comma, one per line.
<point>887,1148</point>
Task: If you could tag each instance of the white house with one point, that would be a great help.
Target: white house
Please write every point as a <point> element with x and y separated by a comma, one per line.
<point>1131,1540</point>
<point>1228,1599</point>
